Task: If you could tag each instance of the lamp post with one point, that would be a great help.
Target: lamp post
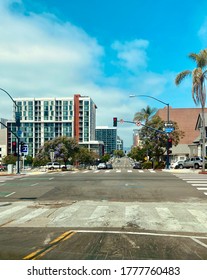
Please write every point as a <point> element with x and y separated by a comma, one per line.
<point>168,117</point>
<point>17,117</point>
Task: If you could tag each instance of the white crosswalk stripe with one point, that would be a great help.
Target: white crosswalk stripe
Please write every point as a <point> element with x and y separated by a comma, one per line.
<point>185,217</point>
<point>196,180</point>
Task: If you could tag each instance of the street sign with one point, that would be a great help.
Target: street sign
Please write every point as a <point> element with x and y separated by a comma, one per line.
<point>169,129</point>
<point>19,133</point>
<point>24,149</point>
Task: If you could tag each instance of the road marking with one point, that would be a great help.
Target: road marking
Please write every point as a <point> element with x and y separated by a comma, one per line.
<point>200,216</point>
<point>31,215</point>
<point>129,170</point>
<point>202,189</point>
<point>141,233</point>
<point>197,182</point>
<point>107,171</point>
<point>199,185</point>
<point>9,194</point>
<point>199,242</point>
<point>2,184</point>
<point>34,184</point>
<point>167,216</point>
<point>96,171</point>
<point>11,210</point>
<point>51,178</point>
<point>118,171</point>
<point>53,244</point>
<point>141,171</point>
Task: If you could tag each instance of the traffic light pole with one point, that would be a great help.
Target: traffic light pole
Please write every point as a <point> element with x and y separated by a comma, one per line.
<point>17,118</point>
<point>18,141</point>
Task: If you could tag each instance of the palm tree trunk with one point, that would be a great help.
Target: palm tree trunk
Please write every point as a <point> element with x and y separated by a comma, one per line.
<point>203,138</point>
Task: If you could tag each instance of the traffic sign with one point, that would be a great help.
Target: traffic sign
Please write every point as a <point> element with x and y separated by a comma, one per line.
<point>169,129</point>
<point>138,123</point>
<point>24,149</point>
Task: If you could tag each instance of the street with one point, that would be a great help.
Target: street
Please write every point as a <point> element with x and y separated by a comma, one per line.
<point>121,213</point>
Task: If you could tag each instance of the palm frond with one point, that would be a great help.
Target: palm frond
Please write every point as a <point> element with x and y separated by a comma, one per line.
<point>181,76</point>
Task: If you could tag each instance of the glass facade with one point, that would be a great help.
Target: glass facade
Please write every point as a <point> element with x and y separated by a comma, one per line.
<point>109,137</point>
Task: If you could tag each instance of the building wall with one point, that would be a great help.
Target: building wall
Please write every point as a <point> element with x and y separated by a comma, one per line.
<point>186,119</point>
<point>43,119</point>
<point>109,137</point>
<point>3,143</point>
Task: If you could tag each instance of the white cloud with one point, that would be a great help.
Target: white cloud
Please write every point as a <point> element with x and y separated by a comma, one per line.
<point>202,33</point>
<point>41,56</point>
<point>132,55</point>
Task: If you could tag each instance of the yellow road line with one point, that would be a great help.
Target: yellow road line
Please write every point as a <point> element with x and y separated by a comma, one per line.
<point>53,244</point>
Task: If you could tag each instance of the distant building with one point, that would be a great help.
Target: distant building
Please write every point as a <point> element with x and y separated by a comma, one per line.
<point>3,123</point>
<point>136,139</point>
<point>3,143</point>
<point>43,119</point>
<point>108,136</point>
<point>120,144</point>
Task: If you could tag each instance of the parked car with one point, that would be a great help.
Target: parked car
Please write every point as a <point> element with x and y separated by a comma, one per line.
<point>2,167</point>
<point>53,165</point>
<point>101,165</point>
<point>193,162</point>
<point>177,164</point>
<point>137,165</point>
<point>109,166</point>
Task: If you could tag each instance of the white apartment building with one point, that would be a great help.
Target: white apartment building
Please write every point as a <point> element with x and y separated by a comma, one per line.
<point>43,119</point>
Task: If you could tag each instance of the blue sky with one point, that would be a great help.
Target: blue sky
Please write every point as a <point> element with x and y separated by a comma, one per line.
<point>104,49</point>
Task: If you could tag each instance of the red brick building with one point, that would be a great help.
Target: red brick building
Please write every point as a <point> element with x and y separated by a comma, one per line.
<point>186,118</point>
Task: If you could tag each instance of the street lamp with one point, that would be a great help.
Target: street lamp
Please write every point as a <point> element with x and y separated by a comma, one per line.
<point>168,117</point>
<point>17,117</point>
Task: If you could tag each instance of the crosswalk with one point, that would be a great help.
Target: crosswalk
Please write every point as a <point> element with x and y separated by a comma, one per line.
<point>196,180</point>
<point>184,217</point>
<point>95,171</point>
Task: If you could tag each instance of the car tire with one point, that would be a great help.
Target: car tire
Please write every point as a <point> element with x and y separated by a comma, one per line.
<point>196,166</point>
<point>180,166</point>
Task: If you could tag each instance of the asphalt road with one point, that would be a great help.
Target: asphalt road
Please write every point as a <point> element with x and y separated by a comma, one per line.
<point>107,214</point>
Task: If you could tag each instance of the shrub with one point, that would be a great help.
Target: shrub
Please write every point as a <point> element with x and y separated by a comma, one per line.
<point>147,165</point>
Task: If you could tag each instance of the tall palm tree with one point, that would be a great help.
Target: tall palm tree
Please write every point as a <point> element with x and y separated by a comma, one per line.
<point>145,114</point>
<point>199,75</point>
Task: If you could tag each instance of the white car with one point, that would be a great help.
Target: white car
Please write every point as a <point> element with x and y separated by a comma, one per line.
<point>101,165</point>
<point>177,164</point>
<point>53,165</point>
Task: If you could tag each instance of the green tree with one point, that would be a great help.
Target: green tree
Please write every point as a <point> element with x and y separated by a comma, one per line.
<point>85,156</point>
<point>119,153</point>
<point>145,114</point>
<point>63,148</point>
<point>199,75</point>
<point>10,159</point>
<point>154,141</point>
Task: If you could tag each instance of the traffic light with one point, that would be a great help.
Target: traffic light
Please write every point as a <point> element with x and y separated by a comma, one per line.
<point>115,122</point>
<point>14,147</point>
<point>169,143</point>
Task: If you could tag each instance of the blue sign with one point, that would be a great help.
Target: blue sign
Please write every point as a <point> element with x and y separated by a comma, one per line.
<point>169,129</point>
<point>19,133</point>
<point>24,149</point>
